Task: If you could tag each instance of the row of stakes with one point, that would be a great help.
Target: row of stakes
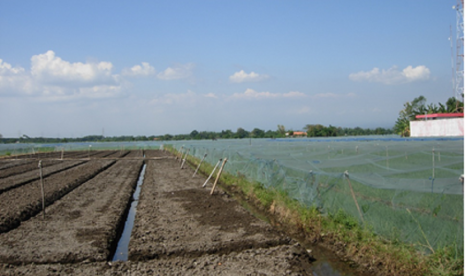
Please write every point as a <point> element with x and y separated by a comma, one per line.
<point>183,161</point>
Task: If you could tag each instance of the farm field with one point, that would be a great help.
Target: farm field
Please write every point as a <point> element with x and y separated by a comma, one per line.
<point>408,190</point>
<point>179,228</point>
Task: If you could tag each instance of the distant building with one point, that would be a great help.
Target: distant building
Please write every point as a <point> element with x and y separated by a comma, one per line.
<point>437,125</point>
<point>296,133</point>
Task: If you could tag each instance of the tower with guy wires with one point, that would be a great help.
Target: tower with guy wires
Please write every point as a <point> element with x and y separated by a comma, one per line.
<point>459,78</point>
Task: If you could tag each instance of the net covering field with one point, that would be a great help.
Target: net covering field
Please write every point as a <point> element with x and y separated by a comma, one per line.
<point>405,189</point>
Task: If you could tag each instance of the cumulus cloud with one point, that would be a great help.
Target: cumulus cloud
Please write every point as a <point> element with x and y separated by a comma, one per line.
<point>13,79</point>
<point>242,76</point>
<point>52,78</point>
<point>293,94</point>
<point>7,70</point>
<point>393,75</point>
<point>252,94</point>
<point>210,95</point>
<point>145,70</point>
<point>181,71</point>
<point>50,69</point>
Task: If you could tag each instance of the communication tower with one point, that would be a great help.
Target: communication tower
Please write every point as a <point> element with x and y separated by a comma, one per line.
<point>459,78</point>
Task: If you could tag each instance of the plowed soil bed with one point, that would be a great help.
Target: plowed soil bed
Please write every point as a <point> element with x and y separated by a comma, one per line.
<point>179,228</point>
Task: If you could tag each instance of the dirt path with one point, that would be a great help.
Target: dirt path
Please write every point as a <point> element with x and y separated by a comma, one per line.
<point>175,216</point>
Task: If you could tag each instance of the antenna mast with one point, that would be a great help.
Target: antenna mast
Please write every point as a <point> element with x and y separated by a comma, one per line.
<point>459,79</point>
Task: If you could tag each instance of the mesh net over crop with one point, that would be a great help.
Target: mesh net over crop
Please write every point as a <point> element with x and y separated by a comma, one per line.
<point>405,189</point>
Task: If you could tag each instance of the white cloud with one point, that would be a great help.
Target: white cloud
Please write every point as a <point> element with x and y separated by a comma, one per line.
<point>6,69</point>
<point>145,70</point>
<point>242,76</point>
<point>13,79</point>
<point>393,75</point>
<point>252,94</point>
<point>417,73</point>
<point>50,69</point>
<point>210,95</point>
<point>293,94</point>
<point>181,71</point>
<point>54,79</point>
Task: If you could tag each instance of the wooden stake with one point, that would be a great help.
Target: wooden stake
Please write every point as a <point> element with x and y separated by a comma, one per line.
<point>42,188</point>
<point>185,157</point>
<point>387,157</point>
<point>346,174</point>
<point>217,163</point>
<point>199,164</point>
<point>433,163</point>
<point>218,176</point>
<point>180,153</point>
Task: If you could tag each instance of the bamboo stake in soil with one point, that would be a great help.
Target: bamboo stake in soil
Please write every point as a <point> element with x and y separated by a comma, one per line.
<point>199,164</point>
<point>346,174</point>
<point>206,181</point>
<point>185,157</point>
<point>218,175</point>
<point>433,163</point>
<point>180,154</point>
<point>42,188</point>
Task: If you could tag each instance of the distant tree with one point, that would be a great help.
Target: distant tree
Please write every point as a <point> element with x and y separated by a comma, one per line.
<point>452,105</point>
<point>194,134</point>
<point>408,113</point>
<point>281,130</point>
<point>271,134</point>
<point>226,134</point>
<point>241,133</point>
<point>258,133</point>
<point>167,137</point>
<point>315,130</point>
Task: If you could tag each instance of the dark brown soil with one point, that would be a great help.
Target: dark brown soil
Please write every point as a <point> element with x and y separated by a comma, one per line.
<point>80,226</point>
<point>49,167</point>
<point>180,229</point>
<point>21,203</point>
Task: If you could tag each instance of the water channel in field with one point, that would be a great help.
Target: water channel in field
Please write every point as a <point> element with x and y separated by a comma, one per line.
<point>121,253</point>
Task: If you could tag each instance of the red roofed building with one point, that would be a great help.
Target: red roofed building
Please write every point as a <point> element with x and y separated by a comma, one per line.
<point>437,125</point>
<point>297,133</point>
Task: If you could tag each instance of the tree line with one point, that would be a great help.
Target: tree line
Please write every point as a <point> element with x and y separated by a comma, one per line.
<point>281,132</point>
<point>89,138</point>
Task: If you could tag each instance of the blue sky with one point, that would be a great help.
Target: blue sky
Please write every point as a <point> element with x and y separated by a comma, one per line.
<point>75,68</point>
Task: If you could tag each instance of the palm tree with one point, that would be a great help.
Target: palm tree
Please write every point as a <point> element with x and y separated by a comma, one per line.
<point>411,109</point>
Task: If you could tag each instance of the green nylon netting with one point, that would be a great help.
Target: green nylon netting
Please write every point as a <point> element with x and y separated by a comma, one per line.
<point>389,176</point>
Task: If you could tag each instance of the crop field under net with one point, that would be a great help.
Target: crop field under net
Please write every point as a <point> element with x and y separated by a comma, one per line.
<point>406,190</point>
